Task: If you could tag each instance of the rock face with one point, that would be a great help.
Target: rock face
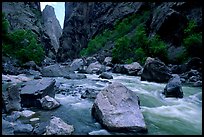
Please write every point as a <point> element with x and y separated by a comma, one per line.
<point>51,26</point>
<point>173,87</point>
<point>58,127</point>
<point>35,90</point>
<point>155,70</point>
<point>85,20</point>
<point>10,97</point>
<point>116,107</point>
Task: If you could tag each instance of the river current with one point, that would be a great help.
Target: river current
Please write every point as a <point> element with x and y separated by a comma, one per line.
<point>163,116</point>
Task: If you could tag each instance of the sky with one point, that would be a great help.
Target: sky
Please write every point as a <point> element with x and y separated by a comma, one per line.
<point>59,10</point>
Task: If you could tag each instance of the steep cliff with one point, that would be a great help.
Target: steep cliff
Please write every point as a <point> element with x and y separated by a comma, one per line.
<point>83,21</point>
<point>27,15</point>
<point>51,26</point>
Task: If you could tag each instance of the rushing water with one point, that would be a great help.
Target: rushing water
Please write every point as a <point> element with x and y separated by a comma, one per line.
<point>163,116</point>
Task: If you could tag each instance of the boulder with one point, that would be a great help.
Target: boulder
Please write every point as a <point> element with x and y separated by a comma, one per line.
<point>95,68</point>
<point>55,70</point>
<point>35,90</point>
<point>76,64</point>
<point>105,75</point>
<point>173,87</point>
<point>13,117</point>
<point>90,60</point>
<point>7,128</point>
<point>31,65</point>
<point>119,68</point>
<point>197,84</point>
<point>40,128</point>
<point>49,103</point>
<point>99,132</point>
<point>27,113</point>
<point>156,71</point>
<point>58,127</point>
<point>133,68</point>
<point>108,61</point>
<point>89,93</point>
<point>117,108</point>
<point>20,128</point>
<point>194,63</point>
<point>11,97</point>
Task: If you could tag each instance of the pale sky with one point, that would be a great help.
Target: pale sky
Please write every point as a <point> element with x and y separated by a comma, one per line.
<point>59,10</point>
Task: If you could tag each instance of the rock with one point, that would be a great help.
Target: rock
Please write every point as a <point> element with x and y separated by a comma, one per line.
<point>31,65</point>
<point>22,128</point>
<point>119,68</point>
<point>77,64</point>
<point>197,84</point>
<point>36,74</point>
<point>11,97</point>
<point>117,108</point>
<point>90,93</point>
<point>105,75</point>
<point>55,70</point>
<point>90,60</point>
<point>13,117</point>
<point>99,132</point>
<point>155,70</point>
<point>15,79</point>
<point>94,68</point>
<point>173,87</point>
<point>52,26</point>
<point>75,76</point>
<point>193,73</point>
<point>49,103</point>
<point>10,66</point>
<point>58,127</point>
<point>194,63</point>
<point>133,68</point>
<point>108,61</point>
<point>7,128</point>
<point>194,79</point>
<point>35,90</point>
<point>179,69</point>
<point>27,113</point>
<point>40,128</point>
<point>34,119</point>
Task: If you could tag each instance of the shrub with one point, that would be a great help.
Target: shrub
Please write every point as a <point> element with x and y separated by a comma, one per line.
<point>157,48</point>
<point>23,46</point>
<point>193,44</point>
<point>122,50</point>
<point>5,24</point>
<point>140,55</point>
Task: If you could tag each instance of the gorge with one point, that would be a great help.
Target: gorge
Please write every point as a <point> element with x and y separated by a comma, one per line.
<point>115,68</point>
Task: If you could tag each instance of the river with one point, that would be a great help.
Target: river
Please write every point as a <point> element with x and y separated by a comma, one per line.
<point>163,116</point>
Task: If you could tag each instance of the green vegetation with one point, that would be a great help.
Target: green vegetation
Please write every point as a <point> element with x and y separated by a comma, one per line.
<point>193,40</point>
<point>139,47</point>
<point>21,44</point>
<point>120,29</point>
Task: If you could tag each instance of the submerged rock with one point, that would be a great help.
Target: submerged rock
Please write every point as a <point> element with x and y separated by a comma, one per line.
<point>117,108</point>
<point>58,127</point>
<point>173,87</point>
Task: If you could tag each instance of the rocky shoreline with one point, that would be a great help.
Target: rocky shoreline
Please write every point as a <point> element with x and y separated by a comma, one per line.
<point>37,88</point>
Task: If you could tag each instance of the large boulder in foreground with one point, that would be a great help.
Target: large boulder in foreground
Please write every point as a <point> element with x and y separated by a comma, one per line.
<point>58,127</point>
<point>173,87</point>
<point>155,71</point>
<point>117,108</point>
<point>35,90</point>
